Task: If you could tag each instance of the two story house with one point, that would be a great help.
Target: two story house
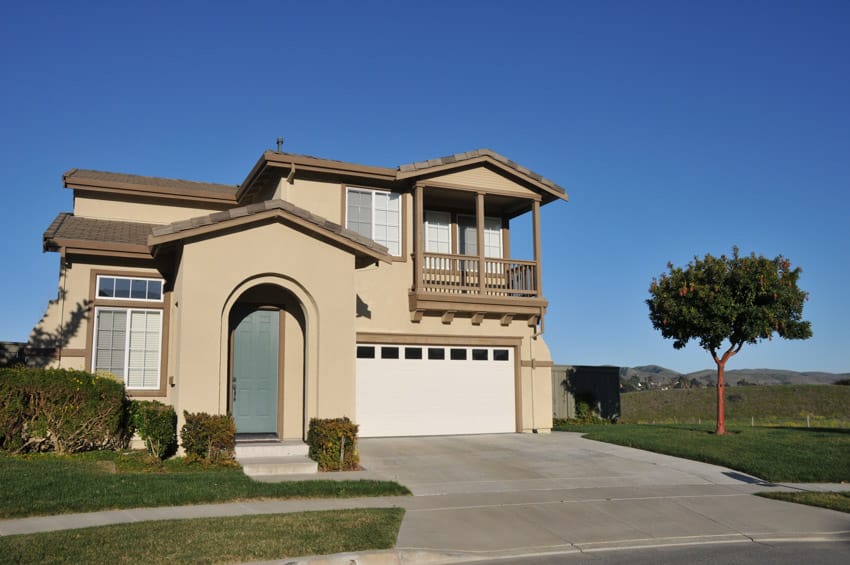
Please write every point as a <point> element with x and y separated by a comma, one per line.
<point>315,288</point>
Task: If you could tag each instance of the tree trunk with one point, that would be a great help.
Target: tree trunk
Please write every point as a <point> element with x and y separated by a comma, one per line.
<point>721,395</point>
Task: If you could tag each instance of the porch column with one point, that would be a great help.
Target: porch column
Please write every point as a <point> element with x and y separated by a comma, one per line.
<point>418,236</point>
<point>479,223</point>
<point>535,220</point>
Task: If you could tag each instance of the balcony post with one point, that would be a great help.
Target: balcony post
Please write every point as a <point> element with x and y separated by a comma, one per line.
<point>479,228</point>
<point>535,220</point>
<point>418,236</point>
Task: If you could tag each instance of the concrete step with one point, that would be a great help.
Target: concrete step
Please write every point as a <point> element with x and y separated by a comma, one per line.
<point>271,449</point>
<point>281,465</point>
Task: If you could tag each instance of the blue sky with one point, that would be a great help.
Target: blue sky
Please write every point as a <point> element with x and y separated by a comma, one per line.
<point>678,128</point>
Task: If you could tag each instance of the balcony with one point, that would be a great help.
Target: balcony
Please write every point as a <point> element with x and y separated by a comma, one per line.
<point>472,284</point>
<point>461,274</point>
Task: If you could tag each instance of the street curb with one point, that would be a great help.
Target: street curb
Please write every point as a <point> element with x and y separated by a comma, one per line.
<point>427,557</point>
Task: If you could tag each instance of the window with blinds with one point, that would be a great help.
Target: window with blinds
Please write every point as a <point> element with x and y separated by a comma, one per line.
<point>127,344</point>
<point>375,214</point>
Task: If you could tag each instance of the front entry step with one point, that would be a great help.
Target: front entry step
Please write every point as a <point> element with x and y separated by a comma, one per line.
<point>273,458</point>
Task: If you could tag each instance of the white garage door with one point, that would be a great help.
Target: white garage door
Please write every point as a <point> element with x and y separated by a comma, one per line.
<point>412,390</point>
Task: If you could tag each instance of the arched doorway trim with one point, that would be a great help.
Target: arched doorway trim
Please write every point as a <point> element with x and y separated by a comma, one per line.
<point>309,311</point>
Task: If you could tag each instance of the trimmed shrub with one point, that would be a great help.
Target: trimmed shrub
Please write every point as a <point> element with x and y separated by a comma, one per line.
<point>61,410</point>
<point>156,424</point>
<point>333,444</point>
<point>211,439</point>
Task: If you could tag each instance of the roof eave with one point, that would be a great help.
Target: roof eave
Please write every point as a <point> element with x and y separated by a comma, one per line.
<point>313,164</point>
<point>90,247</point>
<point>554,192</point>
<point>97,185</point>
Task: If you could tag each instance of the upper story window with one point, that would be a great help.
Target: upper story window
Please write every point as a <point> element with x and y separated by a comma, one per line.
<point>468,244</point>
<point>129,288</point>
<point>375,214</point>
<point>438,238</point>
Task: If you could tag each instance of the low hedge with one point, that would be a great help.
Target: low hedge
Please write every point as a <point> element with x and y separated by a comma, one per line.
<point>333,444</point>
<point>211,439</point>
<point>156,424</point>
<point>61,410</point>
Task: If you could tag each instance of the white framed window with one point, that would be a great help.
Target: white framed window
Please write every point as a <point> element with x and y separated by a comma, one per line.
<point>468,244</point>
<point>129,288</point>
<point>375,214</point>
<point>438,233</point>
<point>128,344</point>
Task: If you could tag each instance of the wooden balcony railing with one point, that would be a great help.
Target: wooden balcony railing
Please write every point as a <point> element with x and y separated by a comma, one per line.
<point>462,274</point>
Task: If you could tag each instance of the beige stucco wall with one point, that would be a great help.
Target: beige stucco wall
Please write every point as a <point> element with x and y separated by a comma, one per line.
<point>322,198</point>
<point>75,287</point>
<point>216,271</point>
<point>150,212</point>
<point>72,295</point>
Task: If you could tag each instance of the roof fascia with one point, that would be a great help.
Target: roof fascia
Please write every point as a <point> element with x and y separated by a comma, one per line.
<point>89,247</point>
<point>484,159</point>
<point>255,172</point>
<point>312,164</point>
<point>95,185</point>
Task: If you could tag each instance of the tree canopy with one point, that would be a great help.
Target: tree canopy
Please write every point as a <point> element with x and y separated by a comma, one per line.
<point>728,300</point>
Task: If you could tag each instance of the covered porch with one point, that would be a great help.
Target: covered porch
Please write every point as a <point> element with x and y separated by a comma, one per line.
<point>462,253</point>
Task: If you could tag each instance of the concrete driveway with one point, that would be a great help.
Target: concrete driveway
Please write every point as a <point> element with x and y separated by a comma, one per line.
<point>518,494</point>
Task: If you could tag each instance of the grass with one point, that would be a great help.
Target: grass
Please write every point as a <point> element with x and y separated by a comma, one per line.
<point>42,484</point>
<point>212,540</point>
<point>786,405</point>
<point>773,454</point>
<point>833,500</point>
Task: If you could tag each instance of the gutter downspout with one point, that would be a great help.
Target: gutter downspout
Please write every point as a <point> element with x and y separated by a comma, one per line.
<point>534,335</point>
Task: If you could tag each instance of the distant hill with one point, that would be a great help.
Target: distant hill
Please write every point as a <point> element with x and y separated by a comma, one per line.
<point>663,376</point>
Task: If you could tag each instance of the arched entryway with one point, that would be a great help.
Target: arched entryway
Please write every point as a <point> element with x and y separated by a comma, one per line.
<point>266,328</point>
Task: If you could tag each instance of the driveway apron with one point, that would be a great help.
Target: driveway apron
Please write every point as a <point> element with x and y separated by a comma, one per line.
<point>516,494</point>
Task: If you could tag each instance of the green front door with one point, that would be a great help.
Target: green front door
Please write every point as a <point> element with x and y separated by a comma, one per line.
<point>255,372</point>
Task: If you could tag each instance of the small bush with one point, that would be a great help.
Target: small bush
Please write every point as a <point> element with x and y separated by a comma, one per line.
<point>156,424</point>
<point>208,438</point>
<point>333,444</point>
<point>61,410</point>
<point>585,414</point>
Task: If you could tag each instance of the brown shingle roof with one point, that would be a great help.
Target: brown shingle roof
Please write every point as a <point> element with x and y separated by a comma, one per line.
<point>460,157</point>
<point>86,177</point>
<point>69,227</point>
<point>161,234</point>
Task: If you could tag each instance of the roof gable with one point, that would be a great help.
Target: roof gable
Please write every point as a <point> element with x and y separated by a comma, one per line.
<point>485,158</point>
<point>365,250</point>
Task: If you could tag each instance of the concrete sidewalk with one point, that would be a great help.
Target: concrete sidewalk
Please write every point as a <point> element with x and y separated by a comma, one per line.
<point>513,495</point>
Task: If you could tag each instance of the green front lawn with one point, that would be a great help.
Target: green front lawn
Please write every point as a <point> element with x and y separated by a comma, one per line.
<point>51,484</point>
<point>212,540</point>
<point>833,500</point>
<point>773,454</point>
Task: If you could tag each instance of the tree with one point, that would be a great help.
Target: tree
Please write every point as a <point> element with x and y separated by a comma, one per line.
<point>725,302</point>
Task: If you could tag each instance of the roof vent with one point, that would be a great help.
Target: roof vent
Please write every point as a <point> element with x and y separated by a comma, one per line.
<point>279,144</point>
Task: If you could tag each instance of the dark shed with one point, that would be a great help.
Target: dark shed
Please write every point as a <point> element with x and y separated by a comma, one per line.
<point>597,386</point>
